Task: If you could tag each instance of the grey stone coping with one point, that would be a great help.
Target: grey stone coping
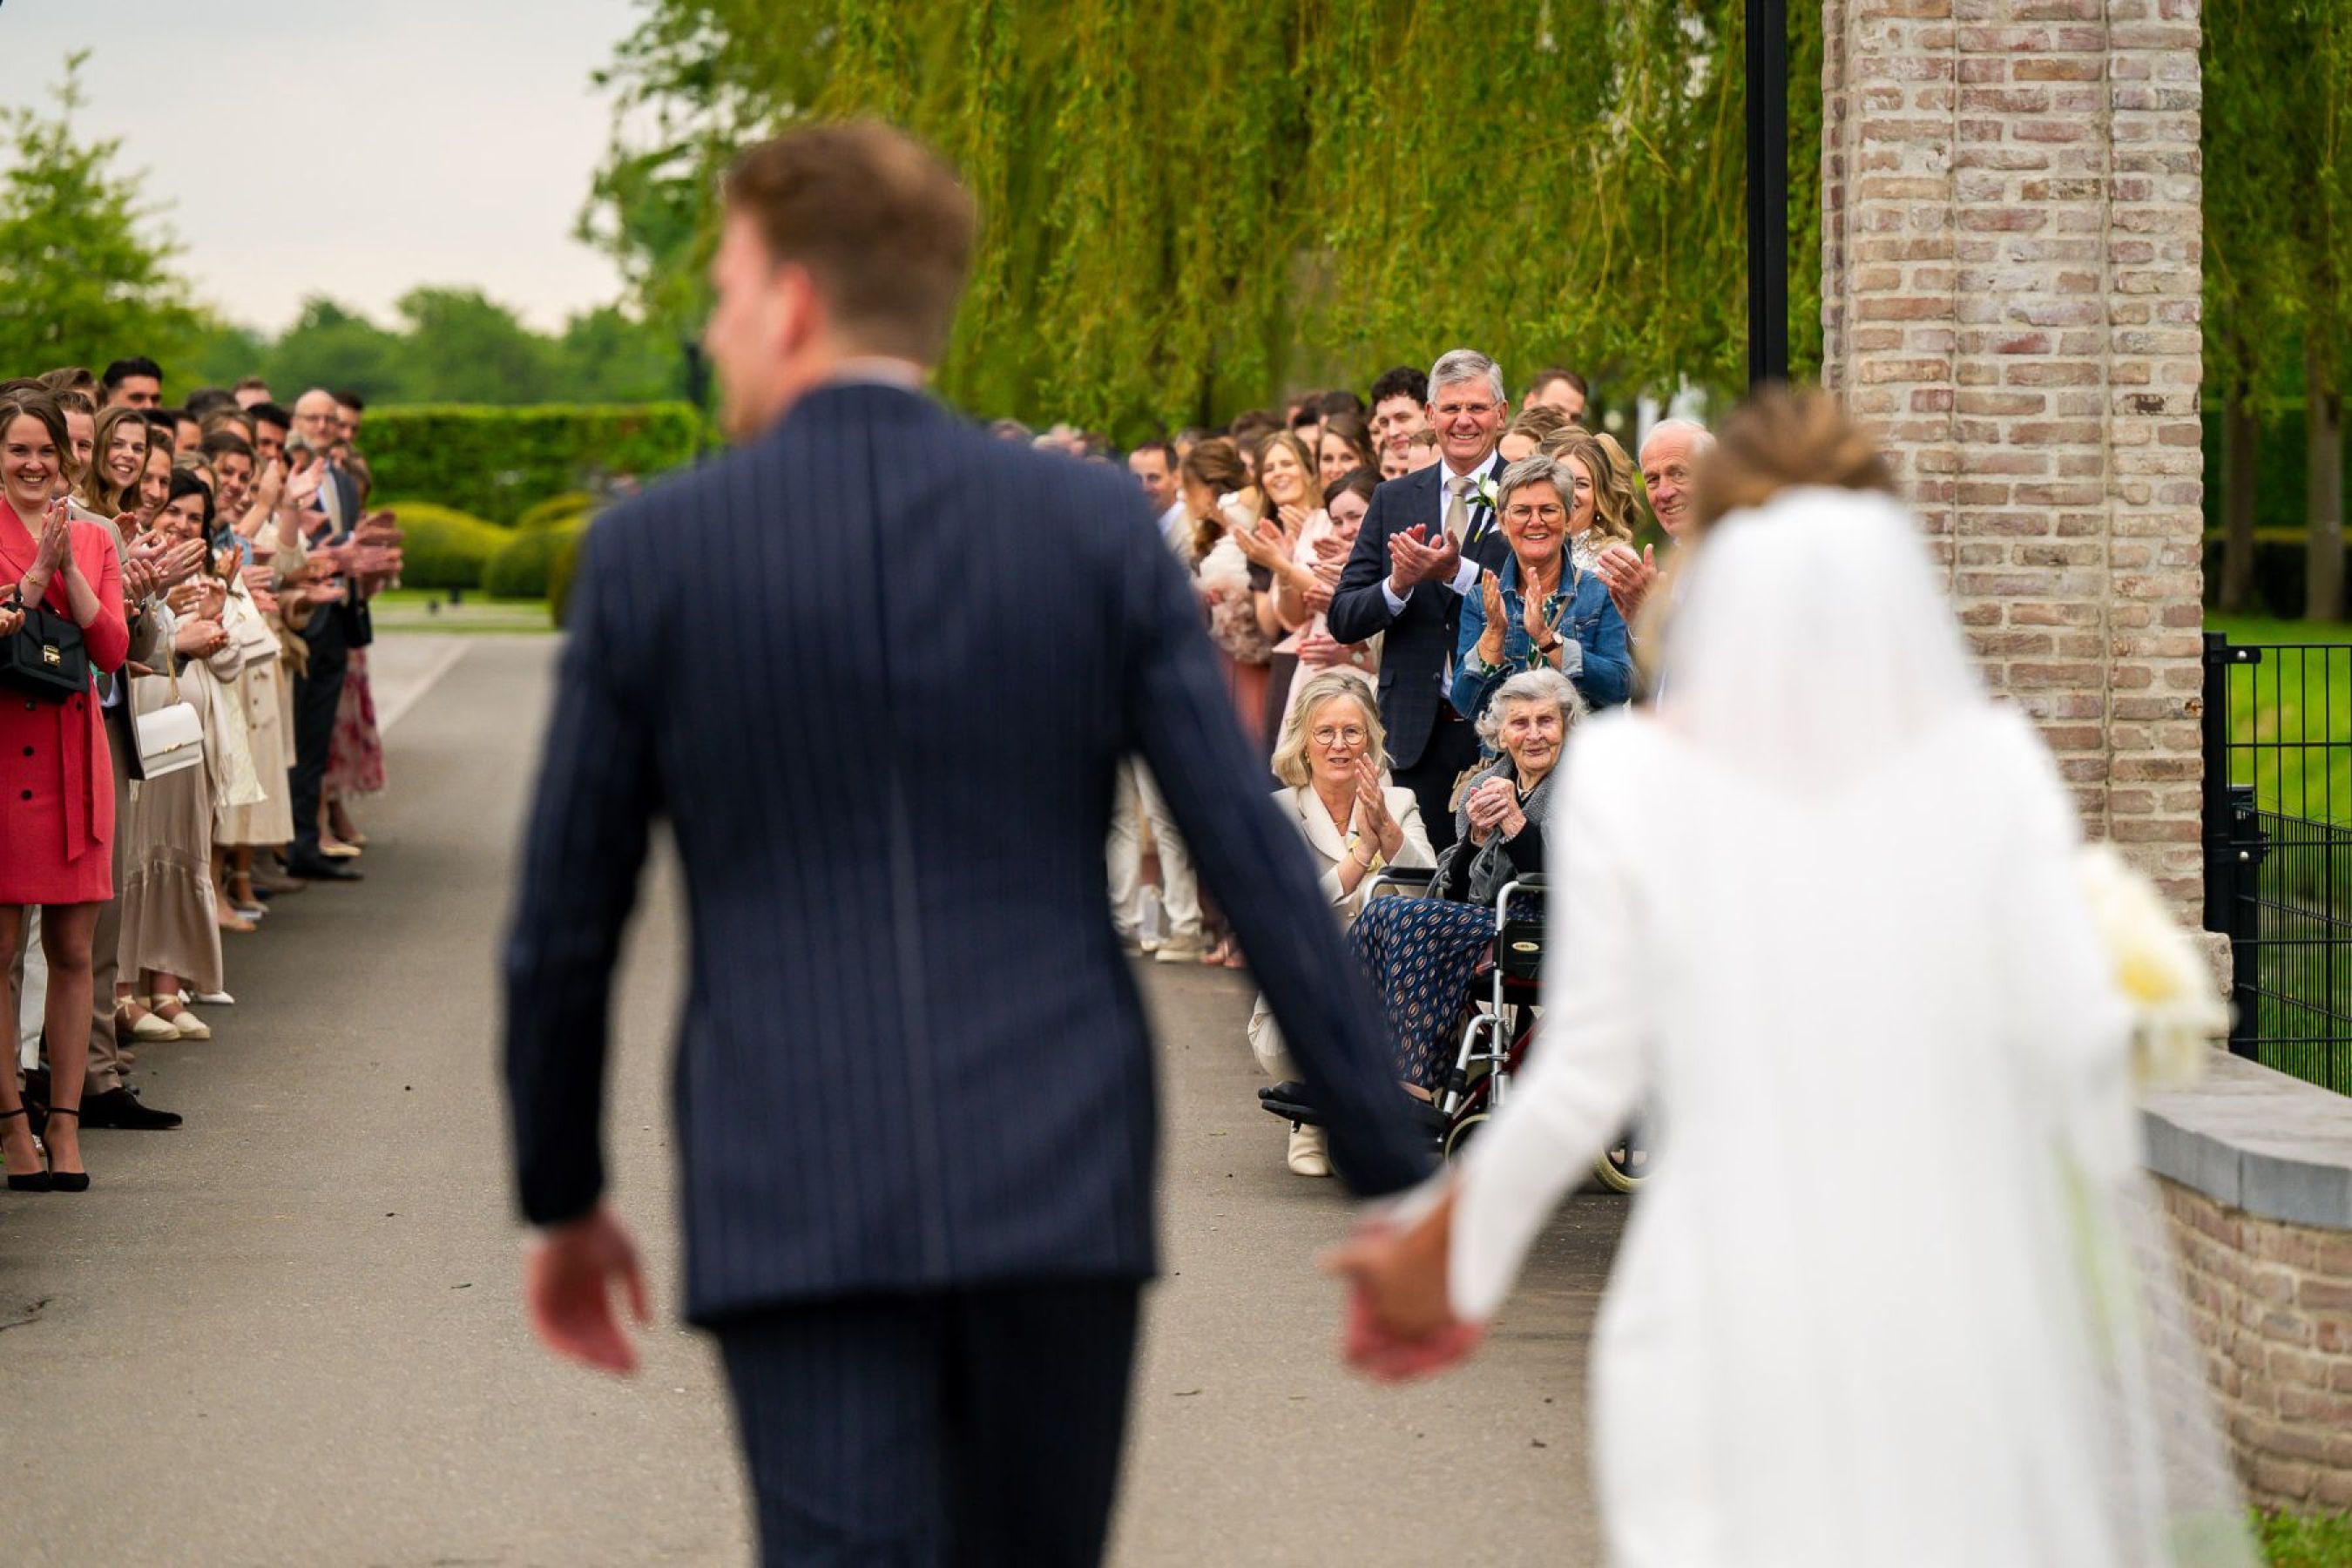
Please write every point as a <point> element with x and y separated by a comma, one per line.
<point>2258,1141</point>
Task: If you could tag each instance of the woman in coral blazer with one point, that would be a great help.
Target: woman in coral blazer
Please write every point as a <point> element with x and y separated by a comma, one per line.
<point>57,779</point>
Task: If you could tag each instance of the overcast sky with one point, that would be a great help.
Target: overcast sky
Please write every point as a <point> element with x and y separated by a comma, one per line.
<point>356,148</point>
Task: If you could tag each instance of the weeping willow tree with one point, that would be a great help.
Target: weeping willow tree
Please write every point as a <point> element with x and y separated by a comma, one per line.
<point>1192,209</point>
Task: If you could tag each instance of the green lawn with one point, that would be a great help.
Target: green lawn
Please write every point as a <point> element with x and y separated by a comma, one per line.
<point>2299,700</point>
<point>2289,1542</point>
<point>429,610</point>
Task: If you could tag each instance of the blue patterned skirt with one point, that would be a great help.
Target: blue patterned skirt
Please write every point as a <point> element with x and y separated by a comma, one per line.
<point>1422,956</point>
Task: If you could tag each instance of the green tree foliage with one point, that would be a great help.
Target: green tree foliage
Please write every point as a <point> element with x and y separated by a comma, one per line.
<point>500,463</point>
<point>330,346</point>
<point>457,345</point>
<point>86,272</point>
<point>1187,212</point>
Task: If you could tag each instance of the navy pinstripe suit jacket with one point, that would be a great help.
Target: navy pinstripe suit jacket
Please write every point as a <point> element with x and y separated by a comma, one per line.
<point>877,669</point>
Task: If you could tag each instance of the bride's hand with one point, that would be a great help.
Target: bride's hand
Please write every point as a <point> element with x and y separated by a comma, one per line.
<point>1400,1323</point>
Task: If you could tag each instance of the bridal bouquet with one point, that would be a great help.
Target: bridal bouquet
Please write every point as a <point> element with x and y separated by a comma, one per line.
<point>2177,1010</point>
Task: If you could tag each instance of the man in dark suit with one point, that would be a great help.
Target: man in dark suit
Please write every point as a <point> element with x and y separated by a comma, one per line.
<point>1422,545</point>
<point>331,634</point>
<point>880,671</point>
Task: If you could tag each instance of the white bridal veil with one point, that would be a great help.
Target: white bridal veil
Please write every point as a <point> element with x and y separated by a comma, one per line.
<point>1812,645</point>
<point>1897,1292</point>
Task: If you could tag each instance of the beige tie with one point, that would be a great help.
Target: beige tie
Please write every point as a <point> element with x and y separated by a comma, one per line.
<point>1457,513</point>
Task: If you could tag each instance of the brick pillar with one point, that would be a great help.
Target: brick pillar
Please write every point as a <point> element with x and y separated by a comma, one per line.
<point>2010,292</point>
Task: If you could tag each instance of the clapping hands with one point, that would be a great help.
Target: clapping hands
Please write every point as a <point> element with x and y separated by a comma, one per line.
<point>198,638</point>
<point>1264,542</point>
<point>1493,805</point>
<point>1628,576</point>
<point>1321,650</point>
<point>55,545</point>
<point>1414,559</point>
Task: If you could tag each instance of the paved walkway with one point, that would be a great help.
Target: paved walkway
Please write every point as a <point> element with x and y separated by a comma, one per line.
<point>289,1333</point>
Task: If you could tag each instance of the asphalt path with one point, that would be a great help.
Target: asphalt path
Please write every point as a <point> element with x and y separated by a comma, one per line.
<point>290,1331</point>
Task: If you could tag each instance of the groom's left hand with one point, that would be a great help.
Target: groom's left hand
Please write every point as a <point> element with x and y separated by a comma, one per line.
<point>568,1284</point>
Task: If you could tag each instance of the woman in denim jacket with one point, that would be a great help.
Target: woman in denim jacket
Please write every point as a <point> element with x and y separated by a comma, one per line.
<point>1569,623</point>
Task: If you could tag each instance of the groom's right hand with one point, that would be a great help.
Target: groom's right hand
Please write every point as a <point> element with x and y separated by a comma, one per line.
<point>568,1280</point>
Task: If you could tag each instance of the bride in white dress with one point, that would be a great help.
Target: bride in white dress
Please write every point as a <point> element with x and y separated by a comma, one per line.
<point>1877,1305</point>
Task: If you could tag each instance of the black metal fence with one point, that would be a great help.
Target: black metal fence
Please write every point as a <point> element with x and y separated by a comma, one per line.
<point>2278,849</point>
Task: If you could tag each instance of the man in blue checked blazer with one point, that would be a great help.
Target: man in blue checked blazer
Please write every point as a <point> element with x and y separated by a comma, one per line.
<point>879,672</point>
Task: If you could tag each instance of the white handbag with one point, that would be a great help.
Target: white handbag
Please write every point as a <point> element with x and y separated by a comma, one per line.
<point>169,738</point>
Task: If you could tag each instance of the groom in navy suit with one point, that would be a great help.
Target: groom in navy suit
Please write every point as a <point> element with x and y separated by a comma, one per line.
<point>881,672</point>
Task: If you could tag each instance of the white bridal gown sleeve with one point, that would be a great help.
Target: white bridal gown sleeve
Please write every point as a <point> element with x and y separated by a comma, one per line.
<point>1587,1070</point>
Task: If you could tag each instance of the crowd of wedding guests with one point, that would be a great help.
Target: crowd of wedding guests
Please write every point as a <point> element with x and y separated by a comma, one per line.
<point>185,717</point>
<point>1415,595</point>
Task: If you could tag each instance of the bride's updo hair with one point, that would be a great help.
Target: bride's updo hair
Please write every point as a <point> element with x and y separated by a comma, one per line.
<point>1783,438</point>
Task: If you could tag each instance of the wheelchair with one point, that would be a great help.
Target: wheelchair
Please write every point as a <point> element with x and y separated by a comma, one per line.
<point>1497,1030</point>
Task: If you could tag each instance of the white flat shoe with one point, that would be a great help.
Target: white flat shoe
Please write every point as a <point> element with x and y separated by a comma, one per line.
<point>1308,1154</point>
<point>149,1026</point>
<point>186,1024</point>
<point>219,998</point>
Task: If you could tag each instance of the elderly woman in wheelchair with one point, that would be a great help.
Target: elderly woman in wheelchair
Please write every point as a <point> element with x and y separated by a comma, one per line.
<point>1424,955</point>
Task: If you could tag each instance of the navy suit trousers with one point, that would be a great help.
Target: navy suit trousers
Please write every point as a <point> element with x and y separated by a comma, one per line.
<point>980,1428</point>
<point>317,694</point>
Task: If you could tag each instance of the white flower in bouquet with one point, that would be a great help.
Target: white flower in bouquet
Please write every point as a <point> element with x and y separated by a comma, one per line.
<point>2176,1008</point>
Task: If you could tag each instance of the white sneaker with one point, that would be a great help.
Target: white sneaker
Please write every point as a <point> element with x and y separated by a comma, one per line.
<point>1180,950</point>
<point>1309,1155</point>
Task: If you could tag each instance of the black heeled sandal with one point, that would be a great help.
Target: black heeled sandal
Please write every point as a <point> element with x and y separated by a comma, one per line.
<point>66,1181</point>
<point>38,1181</point>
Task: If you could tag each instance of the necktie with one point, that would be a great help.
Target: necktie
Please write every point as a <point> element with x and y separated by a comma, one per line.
<point>1457,511</point>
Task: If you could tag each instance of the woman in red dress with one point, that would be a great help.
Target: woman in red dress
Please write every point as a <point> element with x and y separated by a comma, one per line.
<point>57,778</point>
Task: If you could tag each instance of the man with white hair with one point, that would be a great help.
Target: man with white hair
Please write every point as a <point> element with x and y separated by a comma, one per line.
<point>1669,456</point>
<point>1422,547</point>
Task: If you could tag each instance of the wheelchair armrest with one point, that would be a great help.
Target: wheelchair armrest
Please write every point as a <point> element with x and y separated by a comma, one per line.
<point>1403,880</point>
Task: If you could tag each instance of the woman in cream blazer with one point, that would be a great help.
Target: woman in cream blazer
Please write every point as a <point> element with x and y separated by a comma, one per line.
<point>1356,825</point>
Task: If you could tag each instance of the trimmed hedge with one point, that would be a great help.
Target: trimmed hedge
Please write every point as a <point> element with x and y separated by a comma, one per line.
<point>562,570</point>
<point>522,567</point>
<point>501,462</point>
<point>2279,469</point>
<point>444,548</point>
<point>569,507</point>
<point>2281,558</point>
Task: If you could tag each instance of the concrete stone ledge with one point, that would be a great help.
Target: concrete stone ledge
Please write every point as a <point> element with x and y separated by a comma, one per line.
<point>2258,1142</point>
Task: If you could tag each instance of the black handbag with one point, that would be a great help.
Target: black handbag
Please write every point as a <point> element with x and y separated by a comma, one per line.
<point>44,658</point>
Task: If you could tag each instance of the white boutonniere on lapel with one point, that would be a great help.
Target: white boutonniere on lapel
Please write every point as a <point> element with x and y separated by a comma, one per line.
<point>1481,497</point>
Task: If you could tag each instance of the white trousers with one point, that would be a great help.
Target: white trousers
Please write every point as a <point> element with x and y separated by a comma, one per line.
<point>1138,801</point>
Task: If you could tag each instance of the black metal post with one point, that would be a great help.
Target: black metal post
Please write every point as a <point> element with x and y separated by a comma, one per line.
<point>2235,847</point>
<point>2216,739</point>
<point>697,385</point>
<point>1768,191</point>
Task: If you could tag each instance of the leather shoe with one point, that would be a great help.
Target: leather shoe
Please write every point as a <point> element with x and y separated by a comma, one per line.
<point>321,869</point>
<point>120,1107</point>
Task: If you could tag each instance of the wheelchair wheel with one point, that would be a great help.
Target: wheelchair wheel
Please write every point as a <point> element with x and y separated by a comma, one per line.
<point>1458,1136</point>
<point>1624,1165</point>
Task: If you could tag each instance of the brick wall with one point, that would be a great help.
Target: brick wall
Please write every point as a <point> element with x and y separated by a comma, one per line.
<point>2010,292</point>
<point>2271,1306</point>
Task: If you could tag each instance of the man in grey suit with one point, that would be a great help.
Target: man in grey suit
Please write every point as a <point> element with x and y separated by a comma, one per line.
<point>881,672</point>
